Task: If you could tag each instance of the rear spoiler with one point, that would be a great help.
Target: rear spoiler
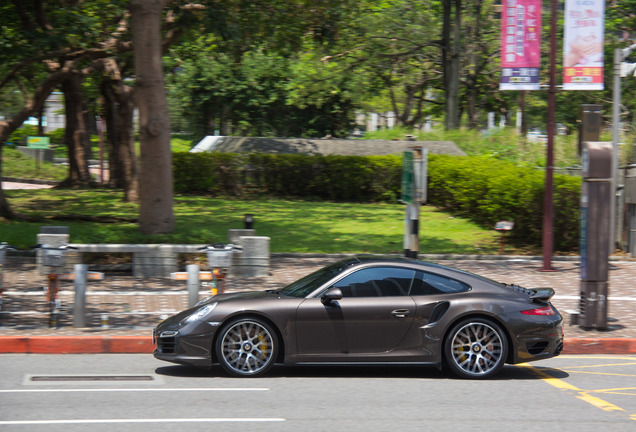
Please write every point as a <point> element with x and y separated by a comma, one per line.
<point>544,294</point>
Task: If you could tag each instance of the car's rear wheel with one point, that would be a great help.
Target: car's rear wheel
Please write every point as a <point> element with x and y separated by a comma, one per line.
<point>476,348</point>
<point>246,347</point>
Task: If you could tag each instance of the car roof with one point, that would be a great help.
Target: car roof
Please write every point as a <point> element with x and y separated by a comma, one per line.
<point>389,259</point>
<point>396,260</point>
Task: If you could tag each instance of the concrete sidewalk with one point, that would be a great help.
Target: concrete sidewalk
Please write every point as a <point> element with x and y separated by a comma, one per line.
<point>122,310</point>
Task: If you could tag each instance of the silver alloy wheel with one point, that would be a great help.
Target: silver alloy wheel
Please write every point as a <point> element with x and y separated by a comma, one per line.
<point>247,348</point>
<point>477,349</point>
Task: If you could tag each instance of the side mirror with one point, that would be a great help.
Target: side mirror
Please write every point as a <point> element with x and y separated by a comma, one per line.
<point>331,295</point>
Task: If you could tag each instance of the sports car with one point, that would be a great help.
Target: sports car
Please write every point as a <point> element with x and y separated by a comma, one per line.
<point>368,310</point>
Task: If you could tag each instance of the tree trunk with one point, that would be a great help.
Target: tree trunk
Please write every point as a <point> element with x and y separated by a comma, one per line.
<point>451,40</point>
<point>156,215</point>
<point>76,135</point>
<point>118,110</point>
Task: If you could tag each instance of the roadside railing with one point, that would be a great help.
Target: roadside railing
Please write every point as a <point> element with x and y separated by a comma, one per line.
<point>134,287</point>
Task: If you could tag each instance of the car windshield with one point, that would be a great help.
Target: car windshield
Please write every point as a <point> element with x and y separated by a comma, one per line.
<point>306,285</point>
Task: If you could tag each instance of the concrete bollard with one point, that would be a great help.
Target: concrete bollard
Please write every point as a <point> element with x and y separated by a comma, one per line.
<point>253,261</point>
<point>155,261</point>
<point>234,235</point>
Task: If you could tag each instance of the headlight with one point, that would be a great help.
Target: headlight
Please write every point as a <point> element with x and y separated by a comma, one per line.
<point>200,313</point>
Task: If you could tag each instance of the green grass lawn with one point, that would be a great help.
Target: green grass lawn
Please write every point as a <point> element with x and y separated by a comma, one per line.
<point>16,164</point>
<point>293,226</point>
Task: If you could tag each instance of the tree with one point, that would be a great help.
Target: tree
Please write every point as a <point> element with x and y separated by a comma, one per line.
<point>48,46</point>
<point>250,74</point>
<point>156,188</point>
<point>32,104</point>
<point>480,74</point>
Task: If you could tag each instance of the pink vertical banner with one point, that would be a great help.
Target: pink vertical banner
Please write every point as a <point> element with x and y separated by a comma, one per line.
<point>583,44</point>
<point>520,44</point>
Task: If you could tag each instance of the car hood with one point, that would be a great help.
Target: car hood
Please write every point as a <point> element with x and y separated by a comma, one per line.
<point>175,320</point>
<point>245,295</point>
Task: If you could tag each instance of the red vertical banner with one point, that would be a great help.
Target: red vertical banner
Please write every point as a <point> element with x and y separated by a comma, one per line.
<point>520,44</point>
<point>583,44</point>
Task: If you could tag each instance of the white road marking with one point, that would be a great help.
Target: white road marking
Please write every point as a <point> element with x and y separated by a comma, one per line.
<point>153,420</point>
<point>188,389</point>
<point>578,297</point>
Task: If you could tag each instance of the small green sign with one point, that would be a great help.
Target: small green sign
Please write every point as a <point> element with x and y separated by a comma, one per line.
<point>408,178</point>
<point>38,142</point>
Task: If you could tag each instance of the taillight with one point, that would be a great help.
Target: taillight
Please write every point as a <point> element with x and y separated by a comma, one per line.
<point>539,311</point>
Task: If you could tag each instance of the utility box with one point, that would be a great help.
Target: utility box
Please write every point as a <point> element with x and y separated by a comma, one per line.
<point>630,201</point>
<point>595,232</point>
<point>630,187</point>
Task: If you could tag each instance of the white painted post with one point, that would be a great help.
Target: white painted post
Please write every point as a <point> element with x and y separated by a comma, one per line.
<point>79,306</point>
<point>193,284</point>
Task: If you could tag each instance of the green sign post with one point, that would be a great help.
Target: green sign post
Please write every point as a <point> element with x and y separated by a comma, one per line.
<point>414,173</point>
<point>38,142</point>
<point>408,178</point>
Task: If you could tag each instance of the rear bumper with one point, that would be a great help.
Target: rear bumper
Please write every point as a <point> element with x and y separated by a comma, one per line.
<point>542,343</point>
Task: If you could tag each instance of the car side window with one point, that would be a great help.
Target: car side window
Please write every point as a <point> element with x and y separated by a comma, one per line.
<point>430,283</point>
<point>377,282</point>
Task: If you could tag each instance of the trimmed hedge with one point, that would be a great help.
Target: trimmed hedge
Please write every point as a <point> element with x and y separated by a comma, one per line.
<point>337,178</point>
<point>483,189</point>
<point>488,190</point>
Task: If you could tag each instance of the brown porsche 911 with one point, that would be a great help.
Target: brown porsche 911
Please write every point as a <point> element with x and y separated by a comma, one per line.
<point>369,310</point>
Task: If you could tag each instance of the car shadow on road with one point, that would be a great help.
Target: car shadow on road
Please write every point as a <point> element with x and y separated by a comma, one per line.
<point>509,372</point>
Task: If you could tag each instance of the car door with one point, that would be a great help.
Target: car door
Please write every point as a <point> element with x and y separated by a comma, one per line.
<point>372,317</point>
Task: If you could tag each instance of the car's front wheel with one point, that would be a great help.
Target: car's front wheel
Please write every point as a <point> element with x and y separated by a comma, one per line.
<point>476,348</point>
<point>246,347</point>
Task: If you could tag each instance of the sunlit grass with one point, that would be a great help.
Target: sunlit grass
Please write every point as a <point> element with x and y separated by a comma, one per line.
<point>293,226</point>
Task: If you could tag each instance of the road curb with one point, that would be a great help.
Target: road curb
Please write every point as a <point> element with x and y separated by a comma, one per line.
<point>76,344</point>
<point>599,346</point>
<point>105,344</point>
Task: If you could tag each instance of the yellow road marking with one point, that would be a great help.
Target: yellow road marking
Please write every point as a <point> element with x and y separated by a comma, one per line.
<point>588,357</point>
<point>556,382</point>
<point>584,395</point>
<point>617,391</point>
<point>602,365</point>
<point>599,403</point>
<point>597,373</point>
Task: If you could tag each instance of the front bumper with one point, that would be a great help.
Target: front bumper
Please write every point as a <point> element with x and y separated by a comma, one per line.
<point>176,347</point>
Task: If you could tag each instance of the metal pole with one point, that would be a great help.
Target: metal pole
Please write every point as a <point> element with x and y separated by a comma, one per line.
<point>616,119</point>
<point>193,284</point>
<point>79,307</point>
<point>632,230</point>
<point>548,204</point>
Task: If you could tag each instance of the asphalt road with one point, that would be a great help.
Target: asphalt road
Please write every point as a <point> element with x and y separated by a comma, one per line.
<point>138,393</point>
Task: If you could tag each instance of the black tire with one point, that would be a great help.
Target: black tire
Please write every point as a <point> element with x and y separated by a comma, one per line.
<point>246,347</point>
<point>476,348</point>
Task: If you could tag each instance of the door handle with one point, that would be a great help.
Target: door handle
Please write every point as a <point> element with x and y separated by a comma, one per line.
<point>401,313</point>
